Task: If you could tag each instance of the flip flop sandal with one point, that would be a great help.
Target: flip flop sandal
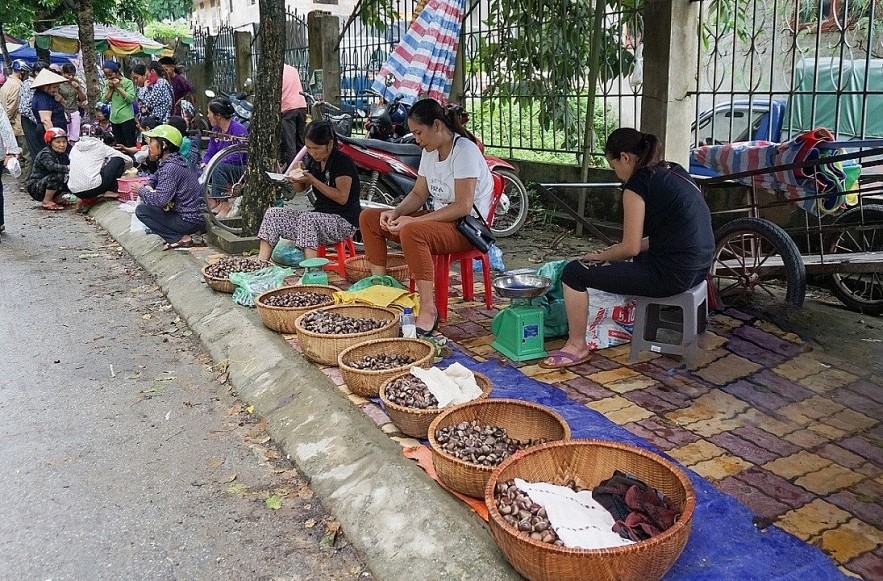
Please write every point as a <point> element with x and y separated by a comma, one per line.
<point>562,359</point>
<point>53,207</point>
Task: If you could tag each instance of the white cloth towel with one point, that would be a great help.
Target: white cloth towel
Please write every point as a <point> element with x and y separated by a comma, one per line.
<point>579,521</point>
<point>454,385</point>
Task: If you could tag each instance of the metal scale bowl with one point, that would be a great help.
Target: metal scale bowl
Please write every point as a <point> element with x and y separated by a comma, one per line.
<point>519,327</point>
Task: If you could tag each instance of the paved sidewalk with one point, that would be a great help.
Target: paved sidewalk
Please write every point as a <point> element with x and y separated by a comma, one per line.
<point>793,433</point>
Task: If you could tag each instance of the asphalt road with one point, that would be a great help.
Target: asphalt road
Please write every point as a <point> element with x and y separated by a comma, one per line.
<point>124,453</point>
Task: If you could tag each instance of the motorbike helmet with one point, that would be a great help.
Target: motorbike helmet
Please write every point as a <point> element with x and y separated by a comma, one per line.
<point>166,132</point>
<point>54,133</point>
<point>19,65</point>
<point>104,108</point>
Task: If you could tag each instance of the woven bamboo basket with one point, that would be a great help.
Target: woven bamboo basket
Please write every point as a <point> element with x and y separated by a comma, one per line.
<point>367,382</point>
<point>522,420</point>
<point>222,285</point>
<point>358,268</point>
<point>415,422</point>
<point>588,463</point>
<point>326,348</point>
<point>282,319</point>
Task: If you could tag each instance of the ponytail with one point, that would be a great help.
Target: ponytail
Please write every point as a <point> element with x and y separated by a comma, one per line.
<point>644,145</point>
<point>426,111</point>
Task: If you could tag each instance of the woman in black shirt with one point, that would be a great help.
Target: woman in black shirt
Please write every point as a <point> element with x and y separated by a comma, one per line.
<point>666,233</point>
<point>335,181</point>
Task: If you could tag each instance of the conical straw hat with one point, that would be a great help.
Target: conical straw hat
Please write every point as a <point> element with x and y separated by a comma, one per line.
<point>47,77</point>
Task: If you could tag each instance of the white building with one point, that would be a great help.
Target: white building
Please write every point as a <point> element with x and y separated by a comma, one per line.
<point>241,14</point>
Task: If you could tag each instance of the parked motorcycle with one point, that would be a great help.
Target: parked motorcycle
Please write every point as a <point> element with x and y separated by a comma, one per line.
<point>387,121</point>
<point>242,107</point>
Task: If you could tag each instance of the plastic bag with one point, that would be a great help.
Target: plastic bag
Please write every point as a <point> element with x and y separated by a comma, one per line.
<point>372,280</point>
<point>250,284</point>
<point>14,167</point>
<point>611,319</point>
<point>496,257</point>
<point>287,253</point>
<point>552,303</point>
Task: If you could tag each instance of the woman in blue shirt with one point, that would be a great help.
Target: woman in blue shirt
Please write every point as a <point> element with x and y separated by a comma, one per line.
<point>46,104</point>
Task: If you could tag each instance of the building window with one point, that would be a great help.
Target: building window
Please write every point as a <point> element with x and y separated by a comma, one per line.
<point>325,1</point>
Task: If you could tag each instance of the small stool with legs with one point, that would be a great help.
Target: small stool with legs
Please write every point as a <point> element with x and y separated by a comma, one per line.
<point>648,320</point>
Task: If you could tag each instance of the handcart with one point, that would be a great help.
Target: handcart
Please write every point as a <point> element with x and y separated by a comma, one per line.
<point>836,235</point>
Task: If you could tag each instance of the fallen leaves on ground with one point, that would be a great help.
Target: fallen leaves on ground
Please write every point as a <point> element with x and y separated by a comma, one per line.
<point>274,502</point>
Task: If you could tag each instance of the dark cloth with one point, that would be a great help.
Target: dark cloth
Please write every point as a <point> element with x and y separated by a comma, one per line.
<point>174,188</point>
<point>43,101</point>
<point>126,133</point>
<point>181,87</point>
<point>676,219</point>
<point>49,173</point>
<point>34,137</point>
<point>640,511</point>
<point>630,278</point>
<point>168,225</point>
<point>111,171</point>
<point>338,165</point>
<point>294,123</point>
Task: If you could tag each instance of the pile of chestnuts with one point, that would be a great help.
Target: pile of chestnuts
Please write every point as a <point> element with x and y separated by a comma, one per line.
<point>381,361</point>
<point>226,266</point>
<point>331,323</point>
<point>524,515</point>
<point>298,299</point>
<point>477,443</point>
<point>410,392</point>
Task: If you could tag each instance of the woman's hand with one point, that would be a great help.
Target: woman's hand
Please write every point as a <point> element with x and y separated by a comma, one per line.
<point>395,226</point>
<point>303,179</point>
<point>386,219</point>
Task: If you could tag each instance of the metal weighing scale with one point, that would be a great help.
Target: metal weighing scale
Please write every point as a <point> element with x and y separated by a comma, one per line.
<point>314,270</point>
<point>519,327</point>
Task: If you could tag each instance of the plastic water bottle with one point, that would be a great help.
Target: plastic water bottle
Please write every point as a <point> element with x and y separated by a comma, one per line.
<point>408,323</point>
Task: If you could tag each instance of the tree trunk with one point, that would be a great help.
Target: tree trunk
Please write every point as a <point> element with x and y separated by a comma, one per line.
<point>6,58</point>
<point>86,30</point>
<point>263,149</point>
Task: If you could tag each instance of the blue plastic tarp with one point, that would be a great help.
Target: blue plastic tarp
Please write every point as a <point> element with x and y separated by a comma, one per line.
<point>29,54</point>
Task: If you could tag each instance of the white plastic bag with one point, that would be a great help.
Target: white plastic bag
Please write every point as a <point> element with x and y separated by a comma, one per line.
<point>611,319</point>
<point>14,167</point>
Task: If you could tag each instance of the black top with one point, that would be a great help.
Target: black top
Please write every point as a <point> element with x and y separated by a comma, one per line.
<point>676,218</point>
<point>43,101</point>
<point>338,165</point>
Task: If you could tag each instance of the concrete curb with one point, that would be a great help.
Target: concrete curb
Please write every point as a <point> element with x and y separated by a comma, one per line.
<point>405,526</point>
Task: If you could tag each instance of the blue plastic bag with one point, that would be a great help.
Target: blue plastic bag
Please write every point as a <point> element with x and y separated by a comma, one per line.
<point>496,257</point>
<point>286,253</point>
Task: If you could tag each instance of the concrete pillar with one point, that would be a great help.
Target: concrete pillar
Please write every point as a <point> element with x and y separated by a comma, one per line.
<point>324,29</point>
<point>242,54</point>
<point>670,57</point>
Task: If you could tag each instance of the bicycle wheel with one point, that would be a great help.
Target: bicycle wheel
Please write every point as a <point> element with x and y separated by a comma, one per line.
<point>220,174</point>
<point>750,254</point>
<point>512,209</point>
<point>860,291</point>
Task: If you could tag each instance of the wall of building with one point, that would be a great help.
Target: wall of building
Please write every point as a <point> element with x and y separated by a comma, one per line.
<point>241,14</point>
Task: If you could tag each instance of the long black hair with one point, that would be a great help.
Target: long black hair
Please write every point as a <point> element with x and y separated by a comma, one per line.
<point>222,107</point>
<point>426,111</point>
<point>645,145</point>
<point>321,133</point>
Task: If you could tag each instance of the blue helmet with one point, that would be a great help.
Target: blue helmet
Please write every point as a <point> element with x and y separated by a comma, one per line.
<point>20,65</point>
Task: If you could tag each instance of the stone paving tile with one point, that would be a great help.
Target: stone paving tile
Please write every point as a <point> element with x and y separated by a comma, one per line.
<point>757,395</point>
<point>405,442</point>
<point>781,385</point>
<point>753,352</point>
<point>829,479</point>
<point>719,468</point>
<point>374,412</point>
<point>637,429</point>
<point>652,399</point>
<point>716,425</point>
<point>698,451</point>
<point>708,356</point>
<point>767,341</point>
<point>766,440</point>
<point>614,375</point>
<point>743,448</point>
<point>674,436</point>
<point>737,314</point>
<point>812,519</point>
<point>849,540</point>
<point>610,404</point>
<point>778,332</point>
<point>868,565</point>
<point>806,438</point>
<point>710,341</point>
<point>850,421</point>
<point>866,507</point>
<point>869,389</point>
<point>727,369</point>
<point>827,380</point>
<point>854,367</point>
<point>803,365</point>
<point>725,323</point>
<point>586,388</point>
<point>856,401</point>
<point>761,505</point>
<point>629,384</point>
<point>548,375</point>
<point>864,448</point>
<point>803,462</point>
<point>476,341</point>
<point>775,486</point>
<point>839,455</point>
<point>628,414</point>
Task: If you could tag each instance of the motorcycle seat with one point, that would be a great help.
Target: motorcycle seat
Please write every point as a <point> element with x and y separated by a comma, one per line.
<point>408,153</point>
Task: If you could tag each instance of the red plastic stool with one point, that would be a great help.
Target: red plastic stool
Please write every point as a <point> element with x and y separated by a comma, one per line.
<point>342,250</point>
<point>442,267</point>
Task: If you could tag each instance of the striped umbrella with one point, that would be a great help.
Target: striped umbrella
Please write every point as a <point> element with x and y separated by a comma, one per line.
<point>423,62</point>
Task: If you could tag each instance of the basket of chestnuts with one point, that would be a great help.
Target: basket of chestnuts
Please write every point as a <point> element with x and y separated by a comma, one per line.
<point>366,366</point>
<point>412,407</point>
<point>468,441</point>
<point>324,333</point>
<point>217,273</point>
<point>358,267</point>
<point>279,308</point>
<point>529,542</point>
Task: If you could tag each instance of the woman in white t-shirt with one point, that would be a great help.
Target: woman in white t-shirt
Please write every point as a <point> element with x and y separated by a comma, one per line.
<point>454,173</point>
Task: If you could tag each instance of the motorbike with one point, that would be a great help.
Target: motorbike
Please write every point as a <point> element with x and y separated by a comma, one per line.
<point>387,121</point>
<point>242,107</point>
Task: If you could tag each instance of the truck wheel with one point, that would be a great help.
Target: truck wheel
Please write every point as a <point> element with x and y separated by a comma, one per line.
<point>860,291</point>
<point>512,209</point>
<point>750,253</point>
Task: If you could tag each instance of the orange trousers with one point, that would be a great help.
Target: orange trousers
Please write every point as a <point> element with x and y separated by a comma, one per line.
<point>419,240</point>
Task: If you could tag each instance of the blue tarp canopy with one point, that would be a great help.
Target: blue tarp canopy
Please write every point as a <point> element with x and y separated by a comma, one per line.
<point>29,54</point>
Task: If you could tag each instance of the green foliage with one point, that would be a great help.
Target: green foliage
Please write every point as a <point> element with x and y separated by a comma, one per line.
<point>166,31</point>
<point>377,14</point>
<point>169,10</point>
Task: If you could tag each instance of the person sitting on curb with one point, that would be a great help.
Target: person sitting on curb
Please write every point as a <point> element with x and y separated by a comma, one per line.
<point>48,180</point>
<point>95,168</point>
<point>335,181</point>
<point>171,200</point>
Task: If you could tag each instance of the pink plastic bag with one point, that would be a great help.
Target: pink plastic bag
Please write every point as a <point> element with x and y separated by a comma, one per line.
<point>611,319</point>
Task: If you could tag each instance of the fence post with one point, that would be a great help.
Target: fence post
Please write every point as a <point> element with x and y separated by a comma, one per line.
<point>458,83</point>
<point>324,29</point>
<point>242,54</point>
<point>672,51</point>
